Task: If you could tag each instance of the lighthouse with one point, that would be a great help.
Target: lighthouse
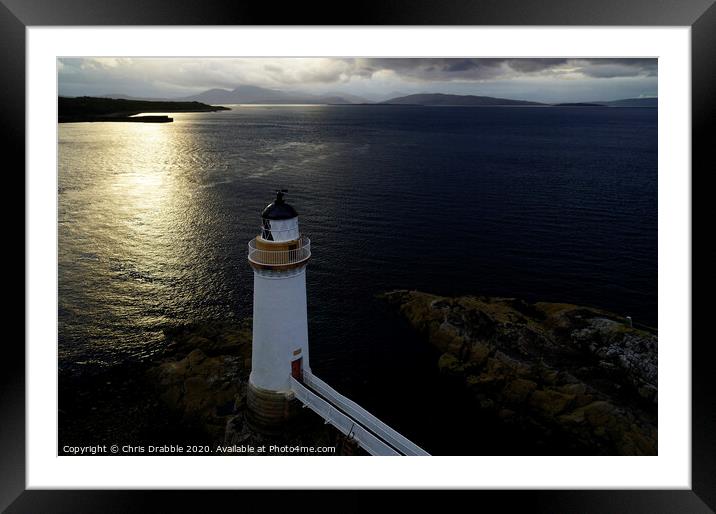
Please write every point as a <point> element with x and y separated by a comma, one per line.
<point>278,255</point>
<point>281,380</point>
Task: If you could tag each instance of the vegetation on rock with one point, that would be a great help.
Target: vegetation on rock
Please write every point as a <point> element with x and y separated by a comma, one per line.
<point>578,374</point>
<point>88,108</point>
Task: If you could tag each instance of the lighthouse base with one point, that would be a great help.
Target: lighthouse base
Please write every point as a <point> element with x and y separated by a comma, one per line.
<point>270,411</point>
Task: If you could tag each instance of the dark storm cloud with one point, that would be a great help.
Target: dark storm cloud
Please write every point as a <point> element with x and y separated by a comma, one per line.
<point>433,69</point>
<point>610,68</point>
<point>492,68</point>
<point>576,78</point>
<point>534,65</point>
<point>198,73</point>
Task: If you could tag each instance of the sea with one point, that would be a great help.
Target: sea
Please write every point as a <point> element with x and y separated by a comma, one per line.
<point>539,203</point>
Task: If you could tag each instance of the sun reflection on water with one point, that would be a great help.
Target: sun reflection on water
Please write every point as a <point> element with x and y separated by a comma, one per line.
<point>147,186</point>
<point>128,225</point>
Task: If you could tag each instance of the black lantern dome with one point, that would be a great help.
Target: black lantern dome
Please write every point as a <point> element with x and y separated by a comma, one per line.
<point>279,209</point>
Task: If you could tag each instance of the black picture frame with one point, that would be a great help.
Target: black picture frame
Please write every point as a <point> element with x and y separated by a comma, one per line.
<point>700,15</point>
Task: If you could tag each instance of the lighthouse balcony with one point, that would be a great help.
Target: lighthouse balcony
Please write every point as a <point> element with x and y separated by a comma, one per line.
<point>279,255</point>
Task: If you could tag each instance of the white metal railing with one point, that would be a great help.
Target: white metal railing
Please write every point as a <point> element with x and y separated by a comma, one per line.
<point>343,423</point>
<point>395,439</point>
<point>280,257</point>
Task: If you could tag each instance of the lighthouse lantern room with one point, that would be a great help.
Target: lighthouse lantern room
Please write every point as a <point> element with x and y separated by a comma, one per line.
<point>278,256</point>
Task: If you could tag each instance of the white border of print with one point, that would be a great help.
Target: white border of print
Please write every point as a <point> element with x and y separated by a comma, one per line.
<point>670,469</point>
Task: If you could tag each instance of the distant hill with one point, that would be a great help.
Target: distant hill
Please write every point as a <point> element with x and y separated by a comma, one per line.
<point>579,104</point>
<point>350,98</point>
<point>467,100</point>
<point>633,102</point>
<point>260,95</point>
<point>119,96</point>
<point>461,100</point>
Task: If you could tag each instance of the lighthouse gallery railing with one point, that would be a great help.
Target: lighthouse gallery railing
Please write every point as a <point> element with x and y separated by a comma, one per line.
<point>280,257</point>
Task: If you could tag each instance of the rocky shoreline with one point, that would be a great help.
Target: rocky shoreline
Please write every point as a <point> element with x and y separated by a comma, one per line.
<point>193,392</point>
<point>561,377</point>
<point>575,376</point>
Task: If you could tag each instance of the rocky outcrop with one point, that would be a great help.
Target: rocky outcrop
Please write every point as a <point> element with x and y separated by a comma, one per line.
<point>202,377</point>
<point>202,373</point>
<point>192,391</point>
<point>562,372</point>
<point>202,390</point>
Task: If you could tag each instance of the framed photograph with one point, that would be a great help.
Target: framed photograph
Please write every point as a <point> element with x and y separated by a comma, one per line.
<point>266,250</point>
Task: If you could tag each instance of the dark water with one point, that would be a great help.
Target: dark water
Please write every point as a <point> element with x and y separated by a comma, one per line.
<point>554,204</point>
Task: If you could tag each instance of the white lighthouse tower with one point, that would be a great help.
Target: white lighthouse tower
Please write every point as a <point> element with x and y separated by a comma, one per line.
<point>278,256</point>
<point>280,371</point>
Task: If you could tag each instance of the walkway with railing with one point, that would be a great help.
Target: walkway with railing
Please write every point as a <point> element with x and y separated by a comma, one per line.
<point>351,419</point>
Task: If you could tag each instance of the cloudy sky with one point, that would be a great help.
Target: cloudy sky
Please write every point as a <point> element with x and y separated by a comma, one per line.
<point>546,80</point>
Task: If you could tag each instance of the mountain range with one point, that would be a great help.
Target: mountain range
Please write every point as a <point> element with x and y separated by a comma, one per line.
<point>472,100</point>
<point>444,99</point>
<point>632,102</point>
<point>245,94</point>
<point>260,95</point>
